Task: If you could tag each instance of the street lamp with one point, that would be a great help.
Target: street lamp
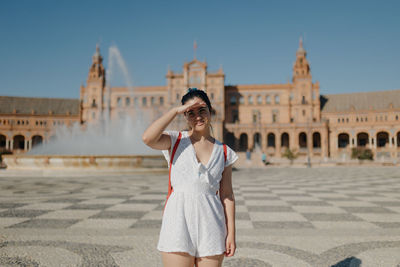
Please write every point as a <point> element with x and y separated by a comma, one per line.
<point>308,149</point>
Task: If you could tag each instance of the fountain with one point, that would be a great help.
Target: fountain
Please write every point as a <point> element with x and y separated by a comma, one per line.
<point>112,143</point>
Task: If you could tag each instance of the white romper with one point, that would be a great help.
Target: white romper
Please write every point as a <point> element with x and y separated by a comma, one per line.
<point>194,218</point>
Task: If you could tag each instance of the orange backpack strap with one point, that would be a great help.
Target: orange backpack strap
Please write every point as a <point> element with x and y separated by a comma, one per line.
<point>170,166</point>
<point>225,152</point>
<point>225,156</point>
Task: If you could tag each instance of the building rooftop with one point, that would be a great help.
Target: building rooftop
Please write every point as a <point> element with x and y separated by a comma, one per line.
<point>378,100</point>
<point>39,106</point>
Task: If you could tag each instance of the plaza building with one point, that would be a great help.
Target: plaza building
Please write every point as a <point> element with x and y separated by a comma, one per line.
<point>265,117</point>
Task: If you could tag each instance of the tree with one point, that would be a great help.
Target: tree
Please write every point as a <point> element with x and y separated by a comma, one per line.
<point>290,155</point>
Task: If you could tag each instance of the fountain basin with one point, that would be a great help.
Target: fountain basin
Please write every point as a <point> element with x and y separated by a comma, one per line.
<point>26,162</point>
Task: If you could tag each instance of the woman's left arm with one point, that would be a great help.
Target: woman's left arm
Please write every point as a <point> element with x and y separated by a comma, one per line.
<point>228,201</point>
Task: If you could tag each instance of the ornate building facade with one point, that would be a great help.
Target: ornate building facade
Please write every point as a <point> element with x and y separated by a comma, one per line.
<point>271,117</point>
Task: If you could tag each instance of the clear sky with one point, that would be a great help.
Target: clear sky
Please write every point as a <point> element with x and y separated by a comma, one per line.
<point>46,46</point>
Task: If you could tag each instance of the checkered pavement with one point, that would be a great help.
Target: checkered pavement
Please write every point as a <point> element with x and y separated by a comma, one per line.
<point>273,198</point>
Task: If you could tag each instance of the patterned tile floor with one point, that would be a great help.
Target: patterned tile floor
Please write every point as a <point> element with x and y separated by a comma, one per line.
<point>284,217</point>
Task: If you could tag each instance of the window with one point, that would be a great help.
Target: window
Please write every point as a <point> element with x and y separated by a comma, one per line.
<point>127,101</point>
<point>161,100</point>
<point>135,101</point>
<point>277,99</point>
<point>152,100</point>
<point>304,112</point>
<point>259,100</point>
<point>397,117</point>
<point>144,101</point>
<point>250,99</point>
<point>357,119</point>
<point>235,115</point>
<point>212,96</point>
<point>268,99</point>
<point>177,97</point>
<point>347,119</point>
<point>233,100</point>
<point>273,117</point>
<point>119,102</point>
<point>241,100</point>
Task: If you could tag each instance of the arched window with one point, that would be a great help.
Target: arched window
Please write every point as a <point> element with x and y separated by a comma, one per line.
<point>36,140</point>
<point>271,140</point>
<point>382,139</point>
<point>259,100</point>
<point>277,99</point>
<point>285,140</point>
<point>243,142</point>
<point>343,140</point>
<point>250,100</point>
<point>2,141</point>
<point>302,140</point>
<point>316,140</point>
<point>362,139</point>
<point>19,142</point>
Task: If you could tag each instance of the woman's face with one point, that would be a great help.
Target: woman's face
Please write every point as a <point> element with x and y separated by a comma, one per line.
<point>198,118</point>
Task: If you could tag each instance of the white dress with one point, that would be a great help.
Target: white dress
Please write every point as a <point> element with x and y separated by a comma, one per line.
<point>194,219</point>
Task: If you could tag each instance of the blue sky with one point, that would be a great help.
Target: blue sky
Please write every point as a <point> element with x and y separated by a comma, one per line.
<point>46,46</point>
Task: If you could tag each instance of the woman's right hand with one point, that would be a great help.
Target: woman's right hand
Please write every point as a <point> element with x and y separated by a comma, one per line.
<point>192,103</point>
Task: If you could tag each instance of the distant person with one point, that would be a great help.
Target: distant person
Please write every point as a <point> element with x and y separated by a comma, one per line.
<point>248,154</point>
<point>264,158</point>
<point>198,225</point>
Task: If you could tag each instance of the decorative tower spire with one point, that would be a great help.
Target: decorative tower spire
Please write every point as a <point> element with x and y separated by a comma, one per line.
<point>301,50</point>
<point>301,68</point>
<point>97,70</point>
<point>194,48</point>
<point>97,58</point>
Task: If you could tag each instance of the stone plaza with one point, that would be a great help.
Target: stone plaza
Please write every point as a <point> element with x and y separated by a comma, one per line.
<point>332,216</point>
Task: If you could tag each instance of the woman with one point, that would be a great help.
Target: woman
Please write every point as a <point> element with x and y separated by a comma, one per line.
<point>198,226</point>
